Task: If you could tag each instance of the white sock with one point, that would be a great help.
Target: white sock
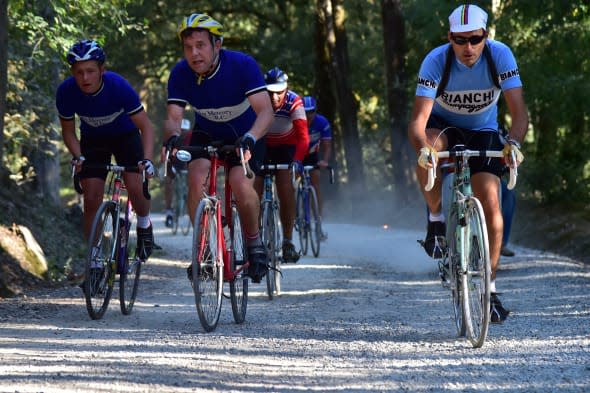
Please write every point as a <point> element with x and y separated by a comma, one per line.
<point>143,222</point>
<point>436,217</point>
<point>493,286</point>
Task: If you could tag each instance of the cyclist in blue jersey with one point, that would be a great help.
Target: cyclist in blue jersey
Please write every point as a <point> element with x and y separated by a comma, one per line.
<point>468,102</point>
<point>320,143</point>
<point>112,122</point>
<point>287,141</point>
<point>227,93</point>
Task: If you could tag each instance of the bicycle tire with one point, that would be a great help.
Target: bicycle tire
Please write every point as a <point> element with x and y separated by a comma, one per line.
<point>315,222</point>
<point>129,263</point>
<point>100,261</point>
<point>452,258</point>
<point>302,220</point>
<point>184,219</point>
<point>268,238</point>
<point>238,287</point>
<point>278,255</point>
<point>207,267</point>
<point>476,280</point>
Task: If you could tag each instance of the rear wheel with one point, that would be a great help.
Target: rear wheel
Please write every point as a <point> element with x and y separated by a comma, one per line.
<point>315,222</point>
<point>238,287</point>
<point>207,270</point>
<point>130,264</point>
<point>476,283</point>
<point>302,220</point>
<point>268,238</point>
<point>99,273</point>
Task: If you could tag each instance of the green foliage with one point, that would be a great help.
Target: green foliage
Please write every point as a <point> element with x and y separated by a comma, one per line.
<point>548,39</point>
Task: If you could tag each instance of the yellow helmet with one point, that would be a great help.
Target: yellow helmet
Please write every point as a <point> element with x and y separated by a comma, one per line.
<point>200,21</point>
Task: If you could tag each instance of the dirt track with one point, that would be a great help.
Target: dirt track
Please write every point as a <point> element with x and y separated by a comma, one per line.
<point>369,315</point>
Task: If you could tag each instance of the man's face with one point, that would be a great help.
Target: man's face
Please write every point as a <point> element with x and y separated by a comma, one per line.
<point>310,116</point>
<point>199,52</point>
<point>468,45</point>
<point>277,98</point>
<point>88,75</point>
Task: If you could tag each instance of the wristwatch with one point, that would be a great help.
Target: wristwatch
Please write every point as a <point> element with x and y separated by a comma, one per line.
<point>513,142</point>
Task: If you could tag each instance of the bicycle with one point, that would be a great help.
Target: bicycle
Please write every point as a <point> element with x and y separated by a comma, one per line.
<point>180,218</point>
<point>465,265</point>
<point>308,221</point>
<point>271,229</point>
<point>218,253</point>
<point>112,246</point>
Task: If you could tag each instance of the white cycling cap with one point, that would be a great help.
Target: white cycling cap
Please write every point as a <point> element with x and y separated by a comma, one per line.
<point>467,17</point>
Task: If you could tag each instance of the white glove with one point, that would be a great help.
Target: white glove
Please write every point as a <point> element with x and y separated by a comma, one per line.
<point>512,147</point>
<point>148,167</point>
<point>427,156</point>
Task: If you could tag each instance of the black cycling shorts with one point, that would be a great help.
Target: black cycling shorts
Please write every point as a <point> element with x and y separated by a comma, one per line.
<point>311,159</point>
<point>200,138</point>
<point>127,149</point>
<point>282,154</point>
<point>473,140</point>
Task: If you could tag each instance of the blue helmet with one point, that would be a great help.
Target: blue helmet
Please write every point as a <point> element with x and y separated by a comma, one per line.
<point>276,80</point>
<point>309,104</point>
<point>85,50</point>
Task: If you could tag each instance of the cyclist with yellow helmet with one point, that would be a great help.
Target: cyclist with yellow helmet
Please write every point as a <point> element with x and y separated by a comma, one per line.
<point>227,93</point>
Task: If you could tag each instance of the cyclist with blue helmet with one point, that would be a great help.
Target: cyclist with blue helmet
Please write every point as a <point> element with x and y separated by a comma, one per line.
<point>227,94</point>
<point>112,122</point>
<point>287,141</point>
<point>320,142</point>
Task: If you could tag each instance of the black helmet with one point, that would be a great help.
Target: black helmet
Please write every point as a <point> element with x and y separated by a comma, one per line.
<point>276,80</point>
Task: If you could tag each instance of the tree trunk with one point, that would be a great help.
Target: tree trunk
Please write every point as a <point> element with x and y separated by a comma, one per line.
<point>347,106</point>
<point>403,158</point>
<point>3,70</point>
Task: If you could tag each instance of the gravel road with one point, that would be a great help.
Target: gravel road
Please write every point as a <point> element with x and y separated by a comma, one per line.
<point>368,315</point>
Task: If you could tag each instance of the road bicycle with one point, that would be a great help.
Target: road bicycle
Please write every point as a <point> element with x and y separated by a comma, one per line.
<point>180,216</point>
<point>308,220</point>
<point>465,265</point>
<point>112,245</point>
<point>271,229</point>
<point>218,253</point>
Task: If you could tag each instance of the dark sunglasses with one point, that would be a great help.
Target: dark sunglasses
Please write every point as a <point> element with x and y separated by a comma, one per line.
<point>473,40</point>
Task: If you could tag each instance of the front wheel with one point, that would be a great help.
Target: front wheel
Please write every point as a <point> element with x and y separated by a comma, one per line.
<point>268,238</point>
<point>207,266</point>
<point>100,261</point>
<point>302,220</point>
<point>477,277</point>
<point>238,287</point>
<point>455,279</point>
<point>129,263</point>
<point>315,222</point>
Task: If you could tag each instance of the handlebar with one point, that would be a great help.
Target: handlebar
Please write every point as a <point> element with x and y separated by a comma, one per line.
<point>465,154</point>
<point>308,168</point>
<point>184,154</point>
<point>111,168</point>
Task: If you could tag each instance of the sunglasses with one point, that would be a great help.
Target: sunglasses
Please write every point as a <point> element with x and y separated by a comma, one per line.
<point>473,40</point>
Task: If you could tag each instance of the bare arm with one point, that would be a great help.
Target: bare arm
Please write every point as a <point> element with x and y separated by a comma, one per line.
<point>173,122</point>
<point>260,102</point>
<point>518,111</point>
<point>143,122</point>
<point>326,148</point>
<point>417,126</point>
<point>68,133</point>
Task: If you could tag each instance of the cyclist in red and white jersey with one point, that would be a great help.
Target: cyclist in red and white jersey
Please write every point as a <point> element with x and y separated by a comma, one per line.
<point>287,142</point>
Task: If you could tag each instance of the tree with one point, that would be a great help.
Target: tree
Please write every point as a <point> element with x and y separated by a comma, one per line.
<point>3,68</point>
<point>402,156</point>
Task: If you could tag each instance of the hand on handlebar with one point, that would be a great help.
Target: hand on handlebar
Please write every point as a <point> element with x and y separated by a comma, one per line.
<point>148,167</point>
<point>427,157</point>
<point>513,154</point>
<point>77,164</point>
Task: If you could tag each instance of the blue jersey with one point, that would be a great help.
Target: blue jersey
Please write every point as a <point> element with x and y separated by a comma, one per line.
<point>220,100</point>
<point>104,113</point>
<point>470,96</point>
<point>319,130</point>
